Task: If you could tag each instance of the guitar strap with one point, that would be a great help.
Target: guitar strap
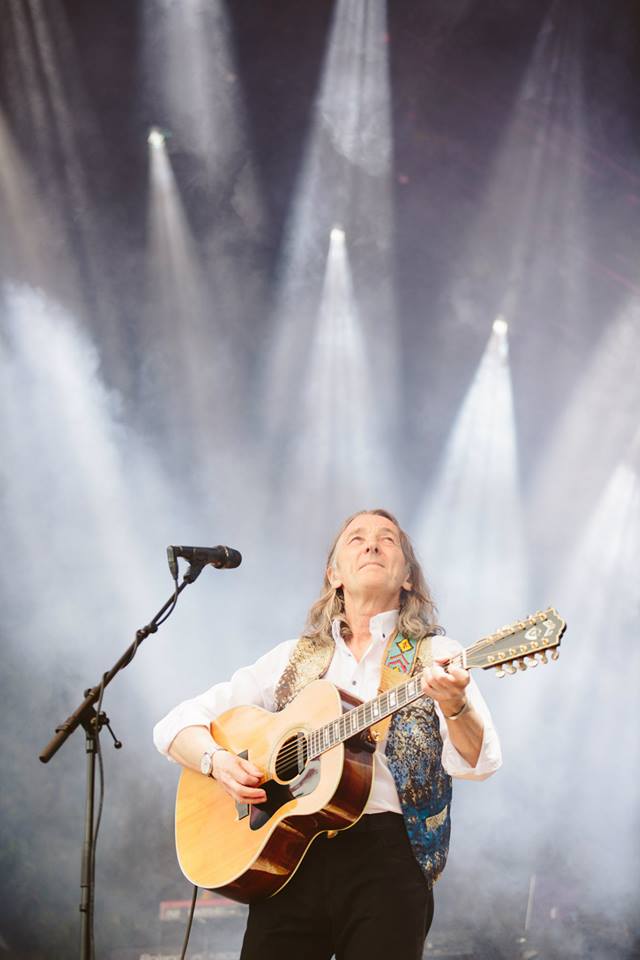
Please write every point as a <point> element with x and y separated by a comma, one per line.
<point>402,657</point>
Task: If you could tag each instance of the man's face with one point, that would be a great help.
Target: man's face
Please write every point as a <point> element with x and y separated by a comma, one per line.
<point>369,559</point>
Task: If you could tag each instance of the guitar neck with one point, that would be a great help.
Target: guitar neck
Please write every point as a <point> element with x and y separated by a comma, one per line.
<point>523,645</point>
<point>361,718</point>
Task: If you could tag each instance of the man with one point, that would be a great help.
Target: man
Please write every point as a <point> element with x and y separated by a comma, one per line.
<point>365,894</point>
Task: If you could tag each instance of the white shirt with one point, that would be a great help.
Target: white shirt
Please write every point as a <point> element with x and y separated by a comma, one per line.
<point>256,685</point>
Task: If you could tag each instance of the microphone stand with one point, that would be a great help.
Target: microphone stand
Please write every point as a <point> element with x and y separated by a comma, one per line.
<point>93,721</point>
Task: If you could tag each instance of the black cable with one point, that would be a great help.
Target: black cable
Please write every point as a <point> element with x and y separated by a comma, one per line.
<point>173,604</point>
<point>92,865</point>
<point>151,628</point>
<point>189,922</point>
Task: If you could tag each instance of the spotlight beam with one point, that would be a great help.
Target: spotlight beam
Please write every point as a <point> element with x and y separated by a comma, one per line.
<point>470,525</point>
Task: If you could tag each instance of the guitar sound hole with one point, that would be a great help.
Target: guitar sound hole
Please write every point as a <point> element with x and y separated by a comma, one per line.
<point>292,758</point>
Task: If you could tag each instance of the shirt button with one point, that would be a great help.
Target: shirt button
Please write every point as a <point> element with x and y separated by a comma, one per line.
<point>355,683</point>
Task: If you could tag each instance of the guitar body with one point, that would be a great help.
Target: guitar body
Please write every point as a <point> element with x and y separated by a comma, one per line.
<point>248,852</point>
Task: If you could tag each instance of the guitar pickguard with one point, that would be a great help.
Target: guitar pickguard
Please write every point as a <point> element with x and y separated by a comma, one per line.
<point>280,793</point>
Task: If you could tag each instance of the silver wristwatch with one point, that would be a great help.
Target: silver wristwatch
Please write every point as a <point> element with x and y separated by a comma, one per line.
<point>206,763</point>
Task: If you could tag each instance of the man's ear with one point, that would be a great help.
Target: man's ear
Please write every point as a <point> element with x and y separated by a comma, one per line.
<point>334,578</point>
<point>407,585</point>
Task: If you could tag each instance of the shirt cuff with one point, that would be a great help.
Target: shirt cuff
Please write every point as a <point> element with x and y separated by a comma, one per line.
<point>489,759</point>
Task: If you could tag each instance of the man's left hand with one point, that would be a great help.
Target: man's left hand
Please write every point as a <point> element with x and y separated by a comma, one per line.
<point>447,687</point>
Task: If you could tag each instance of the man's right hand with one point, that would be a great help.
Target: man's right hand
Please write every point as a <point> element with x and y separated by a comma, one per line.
<point>239,777</point>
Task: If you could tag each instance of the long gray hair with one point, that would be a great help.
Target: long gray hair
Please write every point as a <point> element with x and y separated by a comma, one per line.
<point>418,612</point>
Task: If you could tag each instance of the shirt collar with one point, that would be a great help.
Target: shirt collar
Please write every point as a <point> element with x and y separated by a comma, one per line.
<point>380,626</point>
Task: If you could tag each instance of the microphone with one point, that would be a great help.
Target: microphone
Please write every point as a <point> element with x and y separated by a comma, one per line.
<point>221,557</point>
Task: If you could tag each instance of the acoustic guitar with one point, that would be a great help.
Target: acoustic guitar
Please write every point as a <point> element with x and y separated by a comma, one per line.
<point>318,769</point>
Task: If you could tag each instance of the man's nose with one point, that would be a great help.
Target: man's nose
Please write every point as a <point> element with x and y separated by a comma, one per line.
<point>373,547</point>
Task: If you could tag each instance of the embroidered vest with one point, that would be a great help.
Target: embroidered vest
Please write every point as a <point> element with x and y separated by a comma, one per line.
<point>413,750</point>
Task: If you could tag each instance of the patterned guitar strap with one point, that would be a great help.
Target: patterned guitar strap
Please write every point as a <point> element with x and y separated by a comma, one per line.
<point>402,657</point>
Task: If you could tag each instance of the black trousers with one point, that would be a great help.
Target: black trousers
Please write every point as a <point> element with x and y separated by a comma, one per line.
<point>360,895</point>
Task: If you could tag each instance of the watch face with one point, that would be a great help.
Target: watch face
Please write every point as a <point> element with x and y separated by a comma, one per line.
<point>206,764</point>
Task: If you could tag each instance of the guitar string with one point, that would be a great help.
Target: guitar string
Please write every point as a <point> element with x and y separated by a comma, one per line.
<point>289,753</point>
<point>292,751</point>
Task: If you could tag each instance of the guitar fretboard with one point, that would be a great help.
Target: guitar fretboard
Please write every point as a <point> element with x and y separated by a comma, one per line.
<point>362,717</point>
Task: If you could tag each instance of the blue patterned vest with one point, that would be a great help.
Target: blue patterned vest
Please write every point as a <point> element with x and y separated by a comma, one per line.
<point>413,750</point>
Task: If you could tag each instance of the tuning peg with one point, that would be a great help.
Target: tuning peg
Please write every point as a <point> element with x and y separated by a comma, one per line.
<point>555,654</point>
<point>499,672</point>
<point>511,668</point>
<point>531,661</point>
<point>521,664</point>
<point>543,657</point>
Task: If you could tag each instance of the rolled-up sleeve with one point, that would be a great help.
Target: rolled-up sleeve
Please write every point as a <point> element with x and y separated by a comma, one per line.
<point>254,684</point>
<point>490,758</point>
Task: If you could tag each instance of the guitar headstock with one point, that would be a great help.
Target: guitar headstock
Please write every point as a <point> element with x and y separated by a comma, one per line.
<point>520,645</point>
